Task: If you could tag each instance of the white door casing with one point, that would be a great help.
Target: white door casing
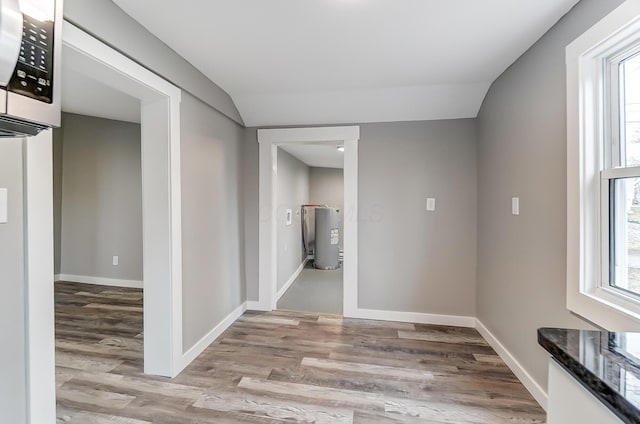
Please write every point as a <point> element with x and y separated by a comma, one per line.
<point>268,140</point>
<point>160,107</point>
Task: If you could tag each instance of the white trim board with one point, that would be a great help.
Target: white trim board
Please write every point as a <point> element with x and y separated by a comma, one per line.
<point>292,279</point>
<point>161,218</point>
<point>100,281</point>
<point>415,317</point>
<point>589,59</point>
<point>161,198</point>
<point>308,135</point>
<point>254,305</point>
<point>39,290</point>
<point>212,335</point>
<point>268,140</point>
<point>539,394</point>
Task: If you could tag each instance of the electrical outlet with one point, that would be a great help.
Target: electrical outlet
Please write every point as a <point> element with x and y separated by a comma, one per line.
<point>515,206</point>
<point>115,261</point>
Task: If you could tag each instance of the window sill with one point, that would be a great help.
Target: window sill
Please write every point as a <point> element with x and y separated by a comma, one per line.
<point>599,309</point>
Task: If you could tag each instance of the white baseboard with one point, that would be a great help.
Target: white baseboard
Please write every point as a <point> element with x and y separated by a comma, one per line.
<point>136,284</point>
<point>291,279</point>
<point>525,378</point>
<point>204,342</point>
<point>416,317</point>
<point>254,305</point>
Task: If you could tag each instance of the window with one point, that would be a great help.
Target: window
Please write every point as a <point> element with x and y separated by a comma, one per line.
<point>621,174</point>
<point>603,171</point>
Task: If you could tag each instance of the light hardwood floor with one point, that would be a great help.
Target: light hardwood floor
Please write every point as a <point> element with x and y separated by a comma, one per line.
<point>279,367</point>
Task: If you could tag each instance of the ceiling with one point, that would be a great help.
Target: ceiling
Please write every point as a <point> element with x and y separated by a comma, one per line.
<point>86,96</point>
<point>317,155</point>
<point>291,62</point>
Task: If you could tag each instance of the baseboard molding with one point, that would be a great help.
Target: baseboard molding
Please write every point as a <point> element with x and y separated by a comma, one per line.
<point>210,337</point>
<point>291,279</point>
<point>525,378</point>
<point>136,284</point>
<point>416,317</point>
<point>539,394</point>
<point>254,305</point>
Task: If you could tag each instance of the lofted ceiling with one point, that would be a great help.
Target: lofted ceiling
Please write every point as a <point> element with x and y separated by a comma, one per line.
<point>292,62</point>
<point>317,155</point>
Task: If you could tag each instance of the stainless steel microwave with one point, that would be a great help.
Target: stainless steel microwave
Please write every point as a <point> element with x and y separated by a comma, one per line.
<point>30,47</point>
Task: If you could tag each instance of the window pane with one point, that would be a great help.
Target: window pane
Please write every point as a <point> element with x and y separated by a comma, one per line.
<point>630,125</point>
<point>624,241</point>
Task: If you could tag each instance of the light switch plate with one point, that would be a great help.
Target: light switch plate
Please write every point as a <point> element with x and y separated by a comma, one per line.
<point>3,205</point>
<point>431,204</point>
<point>515,206</point>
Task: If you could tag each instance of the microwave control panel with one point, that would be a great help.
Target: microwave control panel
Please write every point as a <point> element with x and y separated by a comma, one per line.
<point>33,76</point>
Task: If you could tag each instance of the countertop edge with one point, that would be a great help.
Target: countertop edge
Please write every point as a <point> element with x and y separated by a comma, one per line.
<point>609,397</point>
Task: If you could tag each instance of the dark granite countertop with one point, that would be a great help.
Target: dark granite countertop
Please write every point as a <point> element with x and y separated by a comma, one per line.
<point>606,363</point>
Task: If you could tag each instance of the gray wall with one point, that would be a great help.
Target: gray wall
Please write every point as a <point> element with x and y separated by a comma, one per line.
<point>212,223</point>
<point>292,192</point>
<point>251,189</point>
<point>409,260</point>
<point>326,187</point>
<point>101,206</point>
<point>58,142</point>
<point>211,145</point>
<point>109,23</point>
<point>522,152</point>
<point>12,324</point>
<point>213,239</point>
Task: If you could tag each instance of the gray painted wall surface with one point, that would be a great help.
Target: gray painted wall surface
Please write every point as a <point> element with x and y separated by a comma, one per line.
<point>212,225</point>
<point>251,189</point>
<point>203,129</point>
<point>411,259</point>
<point>326,187</point>
<point>522,152</point>
<point>292,191</point>
<point>109,23</point>
<point>212,231</point>
<point>58,135</point>
<point>101,198</point>
<point>12,324</point>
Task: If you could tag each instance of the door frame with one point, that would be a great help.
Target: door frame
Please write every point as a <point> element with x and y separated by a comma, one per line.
<point>161,212</point>
<point>268,140</point>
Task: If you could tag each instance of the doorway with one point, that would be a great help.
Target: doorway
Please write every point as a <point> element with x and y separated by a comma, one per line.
<point>310,227</point>
<point>159,116</point>
<point>269,142</point>
<point>160,130</point>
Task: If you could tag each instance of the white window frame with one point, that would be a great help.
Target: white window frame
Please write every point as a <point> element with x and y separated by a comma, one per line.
<point>590,168</point>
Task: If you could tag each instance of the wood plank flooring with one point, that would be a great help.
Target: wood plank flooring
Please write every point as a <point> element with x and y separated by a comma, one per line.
<point>279,367</point>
